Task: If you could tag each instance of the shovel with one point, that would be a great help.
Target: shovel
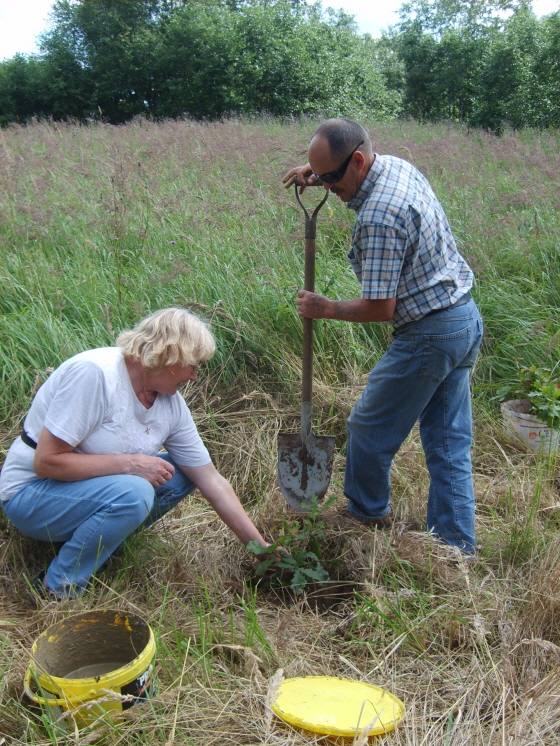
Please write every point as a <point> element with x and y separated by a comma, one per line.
<point>305,459</point>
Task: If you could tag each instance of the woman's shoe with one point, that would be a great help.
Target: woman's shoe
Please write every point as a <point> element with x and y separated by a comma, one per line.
<point>39,590</point>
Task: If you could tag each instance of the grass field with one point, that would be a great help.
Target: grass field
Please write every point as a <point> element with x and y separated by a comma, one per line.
<point>101,225</point>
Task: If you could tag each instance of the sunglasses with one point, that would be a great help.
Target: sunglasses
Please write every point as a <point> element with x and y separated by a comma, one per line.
<point>331,177</point>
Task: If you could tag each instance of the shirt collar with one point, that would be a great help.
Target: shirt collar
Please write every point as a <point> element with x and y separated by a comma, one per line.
<point>367,185</point>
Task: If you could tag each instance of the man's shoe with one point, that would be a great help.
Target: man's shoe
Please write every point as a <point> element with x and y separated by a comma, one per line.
<point>382,523</point>
<point>343,513</point>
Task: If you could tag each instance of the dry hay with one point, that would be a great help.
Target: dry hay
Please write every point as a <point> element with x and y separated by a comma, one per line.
<point>471,648</point>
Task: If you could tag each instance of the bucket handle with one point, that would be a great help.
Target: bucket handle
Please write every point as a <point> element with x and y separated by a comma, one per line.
<point>52,702</point>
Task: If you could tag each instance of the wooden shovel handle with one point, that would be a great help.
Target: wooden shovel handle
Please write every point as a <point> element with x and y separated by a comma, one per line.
<point>308,284</point>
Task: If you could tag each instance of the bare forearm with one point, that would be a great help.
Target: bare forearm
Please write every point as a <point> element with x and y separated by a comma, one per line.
<point>56,459</point>
<point>71,467</point>
<point>361,310</point>
<point>226,504</point>
<point>221,496</point>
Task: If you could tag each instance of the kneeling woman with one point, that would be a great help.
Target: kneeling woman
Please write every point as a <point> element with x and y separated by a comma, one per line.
<point>87,469</point>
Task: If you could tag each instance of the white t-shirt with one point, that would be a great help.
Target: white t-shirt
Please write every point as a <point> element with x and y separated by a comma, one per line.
<point>89,402</point>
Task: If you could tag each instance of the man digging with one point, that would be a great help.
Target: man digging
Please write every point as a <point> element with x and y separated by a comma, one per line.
<point>412,275</point>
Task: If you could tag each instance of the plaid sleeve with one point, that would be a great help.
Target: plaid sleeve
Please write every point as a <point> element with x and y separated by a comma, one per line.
<point>377,258</point>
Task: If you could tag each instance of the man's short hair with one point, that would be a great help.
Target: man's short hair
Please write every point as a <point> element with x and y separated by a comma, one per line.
<point>343,135</point>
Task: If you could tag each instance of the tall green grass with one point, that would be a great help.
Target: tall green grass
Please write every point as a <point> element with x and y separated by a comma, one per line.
<point>101,225</point>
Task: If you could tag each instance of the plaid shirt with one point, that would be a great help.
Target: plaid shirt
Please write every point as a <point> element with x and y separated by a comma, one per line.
<point>402,244</point>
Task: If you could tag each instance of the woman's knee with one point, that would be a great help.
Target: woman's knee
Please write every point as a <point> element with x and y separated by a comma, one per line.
<point>136,493</point>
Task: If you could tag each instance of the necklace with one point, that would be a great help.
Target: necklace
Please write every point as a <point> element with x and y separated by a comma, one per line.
<point>149,399</point>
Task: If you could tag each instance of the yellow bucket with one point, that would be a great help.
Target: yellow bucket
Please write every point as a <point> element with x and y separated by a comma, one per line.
<point>91,665</point>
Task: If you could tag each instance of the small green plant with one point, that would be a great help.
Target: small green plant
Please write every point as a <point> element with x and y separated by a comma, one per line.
<point>295,558</point>
<point>542,388</point>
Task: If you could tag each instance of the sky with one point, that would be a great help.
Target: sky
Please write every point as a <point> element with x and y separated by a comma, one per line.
<point>21,21</point>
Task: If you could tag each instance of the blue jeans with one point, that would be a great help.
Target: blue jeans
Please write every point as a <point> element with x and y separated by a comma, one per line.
<point>424,375</point>
<point>92,517</point>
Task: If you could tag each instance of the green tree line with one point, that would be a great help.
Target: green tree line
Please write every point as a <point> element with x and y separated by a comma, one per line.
<point>483,62</point>
<point>164,58</point>
<point>487,63</point>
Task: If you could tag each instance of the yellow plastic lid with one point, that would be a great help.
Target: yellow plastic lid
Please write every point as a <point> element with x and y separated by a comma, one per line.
<point>337,707</point>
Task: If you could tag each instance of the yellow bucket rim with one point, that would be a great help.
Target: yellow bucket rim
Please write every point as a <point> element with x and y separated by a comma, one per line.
<point>83,688</point>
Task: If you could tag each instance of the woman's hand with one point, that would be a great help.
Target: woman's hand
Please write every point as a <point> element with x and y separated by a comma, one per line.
<point>155,470</point>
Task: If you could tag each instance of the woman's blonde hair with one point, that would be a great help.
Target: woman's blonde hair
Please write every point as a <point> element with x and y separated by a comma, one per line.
<point>168,337</point>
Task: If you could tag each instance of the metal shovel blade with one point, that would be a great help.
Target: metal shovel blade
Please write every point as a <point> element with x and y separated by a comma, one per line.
<point>304,468</point>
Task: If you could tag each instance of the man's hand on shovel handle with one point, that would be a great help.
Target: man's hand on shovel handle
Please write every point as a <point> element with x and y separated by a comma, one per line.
<point>302,176</point>
<point>313,306</point>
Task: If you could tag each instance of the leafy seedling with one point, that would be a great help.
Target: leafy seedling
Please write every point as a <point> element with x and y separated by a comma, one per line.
<point>295,559</point>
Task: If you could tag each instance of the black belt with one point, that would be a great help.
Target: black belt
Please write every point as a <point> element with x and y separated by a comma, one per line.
<point>463,300</point>
<point>27,440</point>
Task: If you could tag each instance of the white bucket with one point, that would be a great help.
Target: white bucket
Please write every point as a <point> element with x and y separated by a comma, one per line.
<point>532,431</point>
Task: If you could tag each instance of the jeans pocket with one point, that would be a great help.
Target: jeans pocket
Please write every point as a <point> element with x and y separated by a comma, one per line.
<point>442,353</point>
<point>403,354</point>
<point>469,360</point>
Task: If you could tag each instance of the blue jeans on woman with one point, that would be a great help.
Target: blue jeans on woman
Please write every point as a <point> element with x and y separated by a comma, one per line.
<point>92,517</point>
<point>425,376</point>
